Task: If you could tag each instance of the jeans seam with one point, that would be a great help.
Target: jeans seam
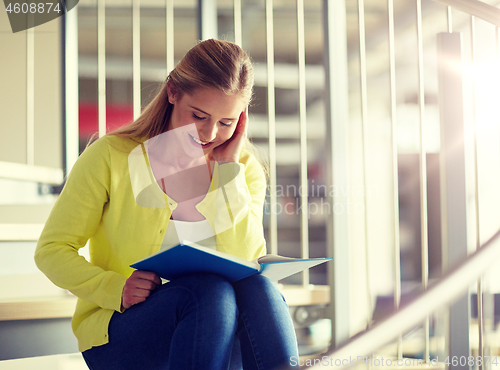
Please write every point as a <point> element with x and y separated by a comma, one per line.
<point>196,319</point>
<point>196,334</point>
<point>251,338</point>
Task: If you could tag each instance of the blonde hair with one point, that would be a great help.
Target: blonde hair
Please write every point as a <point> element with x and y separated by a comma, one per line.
<point>215,64</point>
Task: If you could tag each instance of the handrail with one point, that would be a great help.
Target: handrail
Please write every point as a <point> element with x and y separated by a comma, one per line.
<point>448,288</point>
<point>476,8</point>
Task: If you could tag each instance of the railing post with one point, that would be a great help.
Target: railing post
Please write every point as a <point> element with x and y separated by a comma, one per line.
<point>136,58</point>
<point>101,66</point>
<point>337,123</point>
<point>207,19</point>
<point>70,88</point>
<point>453,183</point>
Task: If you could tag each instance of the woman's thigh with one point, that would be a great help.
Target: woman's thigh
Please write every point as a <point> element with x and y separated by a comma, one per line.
<point>188,323</point>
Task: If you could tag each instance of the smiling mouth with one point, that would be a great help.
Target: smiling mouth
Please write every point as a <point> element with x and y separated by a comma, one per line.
<point>202,143</point>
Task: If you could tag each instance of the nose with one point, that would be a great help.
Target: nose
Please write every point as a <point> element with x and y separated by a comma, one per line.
<point>207,131</point>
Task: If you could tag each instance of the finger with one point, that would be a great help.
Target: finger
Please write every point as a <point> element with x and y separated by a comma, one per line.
<point>143,274</point>
<point>242,122</point>
<point>143,284</point>
<point>141,293</point>
<point>246,117</point>
<point>131,294</point>
<point>153,280</point>
<point>156,280</point>
<point>147,275</point>
<point>139,300</point>
<point>130,301</point>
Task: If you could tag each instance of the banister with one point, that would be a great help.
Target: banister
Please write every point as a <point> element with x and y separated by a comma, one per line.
<point>476,8</point>
<point>448,288</point>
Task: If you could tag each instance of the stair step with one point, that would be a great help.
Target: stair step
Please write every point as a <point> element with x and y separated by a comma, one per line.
<point>72,361</point>
<point>31,308</point>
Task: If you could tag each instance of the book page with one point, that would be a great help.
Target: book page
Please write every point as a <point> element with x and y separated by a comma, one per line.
<point>282,269</point>
<point>274,258</point>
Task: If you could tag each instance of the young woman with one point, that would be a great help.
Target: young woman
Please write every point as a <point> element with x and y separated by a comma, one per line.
<point>182,170</point>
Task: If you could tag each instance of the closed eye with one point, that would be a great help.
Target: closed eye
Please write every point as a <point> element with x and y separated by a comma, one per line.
<point>225,124</point>
<point>198,117</point>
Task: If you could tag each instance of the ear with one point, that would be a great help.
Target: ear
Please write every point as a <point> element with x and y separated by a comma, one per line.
<point>172,93</point>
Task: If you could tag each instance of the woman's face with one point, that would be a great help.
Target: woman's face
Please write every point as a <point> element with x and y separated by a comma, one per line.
<point>204,119</point>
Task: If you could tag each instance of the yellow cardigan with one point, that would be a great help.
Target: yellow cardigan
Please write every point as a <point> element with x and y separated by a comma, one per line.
<point>112,200</point>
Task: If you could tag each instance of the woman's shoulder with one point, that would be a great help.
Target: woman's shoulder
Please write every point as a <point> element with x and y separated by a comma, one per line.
<point>122,144</point>
<point>102,159</point>
<point>110,146</point>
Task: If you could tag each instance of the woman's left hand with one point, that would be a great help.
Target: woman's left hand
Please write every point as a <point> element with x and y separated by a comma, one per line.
<point>231,149</point>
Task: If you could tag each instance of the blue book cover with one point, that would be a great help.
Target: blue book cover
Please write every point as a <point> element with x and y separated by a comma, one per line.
<point>189,258</point>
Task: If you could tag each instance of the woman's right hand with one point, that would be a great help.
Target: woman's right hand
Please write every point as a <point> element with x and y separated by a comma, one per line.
<point>138,287</point>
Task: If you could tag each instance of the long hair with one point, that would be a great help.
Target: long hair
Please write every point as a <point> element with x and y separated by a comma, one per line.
<point>215,64</point>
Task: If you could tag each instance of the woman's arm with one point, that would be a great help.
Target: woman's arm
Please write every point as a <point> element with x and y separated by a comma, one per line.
<point>73,220</point>
<point>234,208</point>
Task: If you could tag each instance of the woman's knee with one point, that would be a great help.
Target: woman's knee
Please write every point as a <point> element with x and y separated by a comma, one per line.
<point>211,305</point>
<point>205,291</point>
<point>211,287</point>
<point>257,286</point>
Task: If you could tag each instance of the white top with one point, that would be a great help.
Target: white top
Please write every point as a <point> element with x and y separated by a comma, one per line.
<point>197,231</point>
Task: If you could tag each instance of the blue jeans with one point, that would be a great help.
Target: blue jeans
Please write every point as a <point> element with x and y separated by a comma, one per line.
<point>204,322</point>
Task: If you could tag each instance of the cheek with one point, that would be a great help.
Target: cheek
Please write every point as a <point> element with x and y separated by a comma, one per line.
<point>226,134</point>
<point>181,117</point>
<point>186,119</point>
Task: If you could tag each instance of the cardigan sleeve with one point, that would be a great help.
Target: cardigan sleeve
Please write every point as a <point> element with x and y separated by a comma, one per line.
<point>73,220</point>
<point>234,208</point>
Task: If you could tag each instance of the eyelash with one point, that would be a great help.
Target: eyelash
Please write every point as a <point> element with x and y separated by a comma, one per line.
<point>203,118</point>
<point>198,118</point>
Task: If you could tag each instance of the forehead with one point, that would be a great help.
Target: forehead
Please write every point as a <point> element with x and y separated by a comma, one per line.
<point>215,102</point>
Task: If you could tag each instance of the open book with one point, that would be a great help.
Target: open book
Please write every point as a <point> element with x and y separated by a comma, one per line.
<point>189,258</point>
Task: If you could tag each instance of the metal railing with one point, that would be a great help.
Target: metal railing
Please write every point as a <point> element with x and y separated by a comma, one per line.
<point>475,8</point>
<point>449,287</point>
<point>457,280</point>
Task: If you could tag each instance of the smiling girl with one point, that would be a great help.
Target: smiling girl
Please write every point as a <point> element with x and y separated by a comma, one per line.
<point>183,169</point>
